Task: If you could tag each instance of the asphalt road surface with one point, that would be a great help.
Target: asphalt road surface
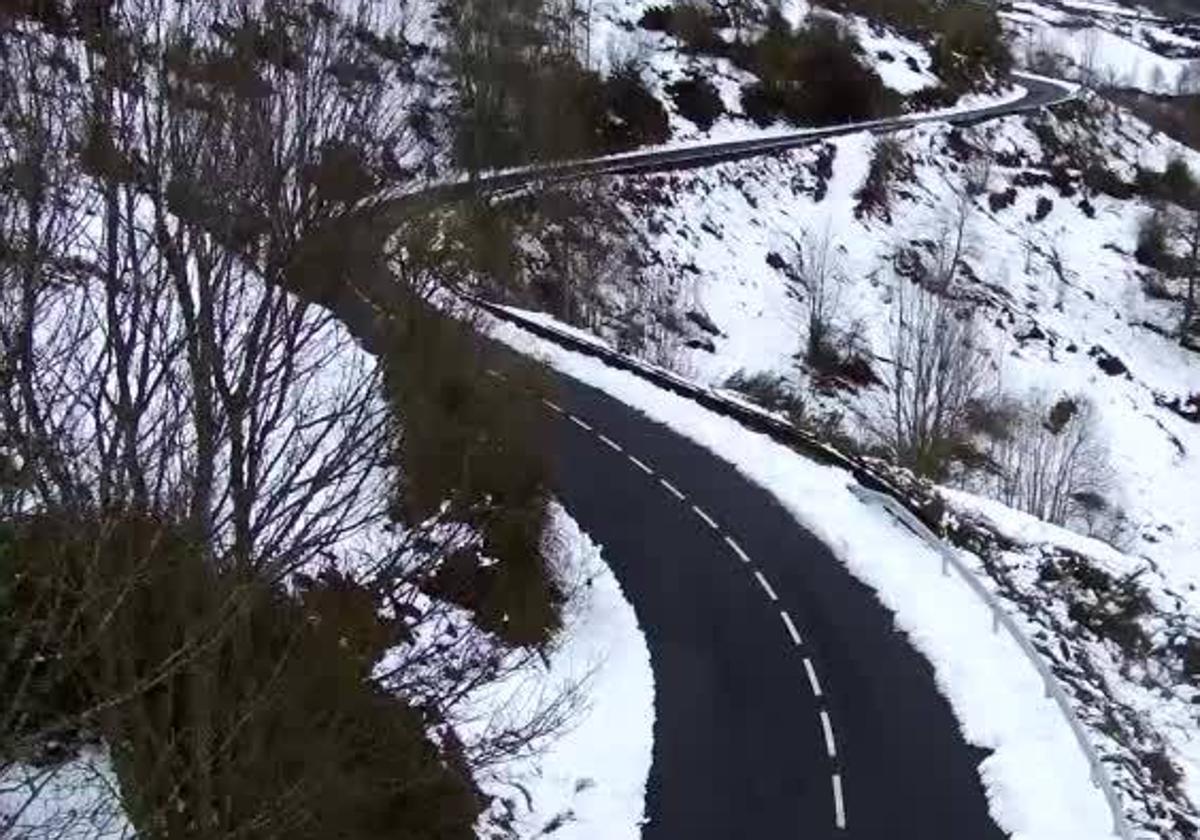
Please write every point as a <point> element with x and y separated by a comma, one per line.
<point>787,704</point>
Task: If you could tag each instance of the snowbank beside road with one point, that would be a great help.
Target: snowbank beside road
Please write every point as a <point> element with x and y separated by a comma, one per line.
<point>590,783</point>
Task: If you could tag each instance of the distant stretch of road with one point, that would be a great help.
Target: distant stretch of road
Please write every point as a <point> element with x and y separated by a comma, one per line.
<point>1039,93</point>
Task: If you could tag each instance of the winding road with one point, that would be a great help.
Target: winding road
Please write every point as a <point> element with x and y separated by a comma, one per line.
<point>1039,93</point>
<point>787,706</point>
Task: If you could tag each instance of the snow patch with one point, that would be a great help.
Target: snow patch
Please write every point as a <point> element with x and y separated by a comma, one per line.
<point>590,783</point>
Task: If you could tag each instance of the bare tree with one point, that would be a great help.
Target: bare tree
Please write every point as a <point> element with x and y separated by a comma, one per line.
<point>819,273</point>
<point>1089,58</point>
<point>1188,82</point>
<point>1052,460</point>
<point>954,224</point>
<point>191,429</point>
<point>938,371</point>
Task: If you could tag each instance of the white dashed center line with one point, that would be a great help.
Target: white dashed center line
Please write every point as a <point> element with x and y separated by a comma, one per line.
<point>830,746</point>
<point>707,519</point>
<point>793,631</point>
<point>762,581</point>
<point>812,677</point>
<point>839,806</point>
<point>641,466</point>
<point>671,489</point>
<point>737,549</point>
<point>791,628</point>
<point>611,444</point>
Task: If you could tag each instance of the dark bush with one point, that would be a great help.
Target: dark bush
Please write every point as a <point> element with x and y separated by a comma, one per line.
<point>969,46</point>
<point>915,18</point>
<point>1102,180</point>
<point>1044,206</point>
<point>693,23</point>
<point>889,164</point>
<point>1001,200</point>
<point>698,101</point>
<point>633,116</point>
<point>656,19</point>
<point>769,391</point>
<point>243,706</point>
<point>931,99</point>
<point>1176,184</point>
<point>1153,250</point>
<point>813,77</point>
<point>479,450</point>
<point>561,111</point>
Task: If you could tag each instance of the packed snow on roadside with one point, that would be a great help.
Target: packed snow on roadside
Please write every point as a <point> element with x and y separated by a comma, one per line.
<point>588,783</point>
<point>1037,779</point>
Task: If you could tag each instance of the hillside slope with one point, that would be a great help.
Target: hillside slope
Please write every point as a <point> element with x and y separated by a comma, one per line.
<point>714,273</point>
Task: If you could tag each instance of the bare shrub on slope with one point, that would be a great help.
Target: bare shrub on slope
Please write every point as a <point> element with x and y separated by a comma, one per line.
<point>938,372</point>
<point>1052,460</point>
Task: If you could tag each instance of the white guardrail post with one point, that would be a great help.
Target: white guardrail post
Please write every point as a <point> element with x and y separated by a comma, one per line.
<point>1001,618</point>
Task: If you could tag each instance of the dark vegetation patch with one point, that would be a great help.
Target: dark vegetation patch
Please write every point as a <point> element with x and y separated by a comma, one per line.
<point>1176,116</point>
<point>769,391</point>
<point>1186,407</point>
<point>1175,184</point>
<point>1107,362</point>
<point>528,112</point>
<point>697,100</point>
<point>273,721</point>
<point>1107,606</point>
<point>1153,247</point>
<point>1044,206</point>
<point>890,165</point>
<point>1002,200</point>
<point>818,74</point>
<point>815,77</point>
<point>966,40</point>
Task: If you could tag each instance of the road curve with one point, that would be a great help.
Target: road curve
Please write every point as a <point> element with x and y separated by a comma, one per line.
<point>787,706</point>
<point>1039,93</point>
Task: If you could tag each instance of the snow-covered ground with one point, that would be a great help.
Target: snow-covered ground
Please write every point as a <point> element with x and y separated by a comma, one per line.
<point>721,232</point>
<point>1036,778</point>
<point>1104,43</point>
<point>904,65</point>
<point>589,783</point>
<point>74,801</point>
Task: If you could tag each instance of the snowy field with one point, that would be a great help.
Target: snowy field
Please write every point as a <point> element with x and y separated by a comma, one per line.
<point>1104,43</point>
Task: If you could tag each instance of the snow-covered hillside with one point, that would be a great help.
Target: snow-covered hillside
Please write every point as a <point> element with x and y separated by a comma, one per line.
<point>1062,310</point>
<point>1109,43</point>
<point>618,35</point>
<point>723,238</point>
